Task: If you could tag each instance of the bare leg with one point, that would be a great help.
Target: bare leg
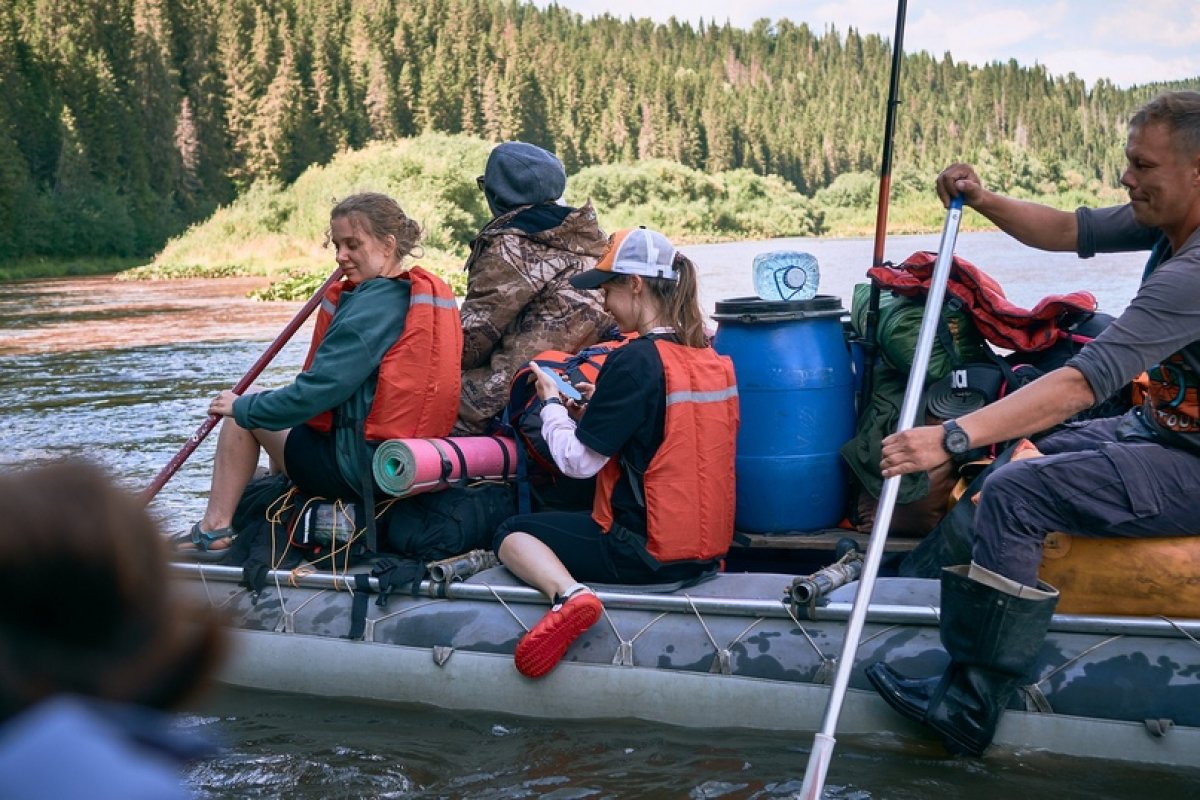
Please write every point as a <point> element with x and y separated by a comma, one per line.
<point>533,562</point>
<point>543,647</point>
<point>233,467</point>
<point>273,442</point>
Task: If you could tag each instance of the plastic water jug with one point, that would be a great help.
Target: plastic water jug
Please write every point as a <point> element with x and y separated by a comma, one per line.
<point>786,275</point>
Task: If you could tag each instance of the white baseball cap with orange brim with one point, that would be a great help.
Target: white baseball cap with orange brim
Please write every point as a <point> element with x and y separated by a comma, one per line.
<point>632,251</point>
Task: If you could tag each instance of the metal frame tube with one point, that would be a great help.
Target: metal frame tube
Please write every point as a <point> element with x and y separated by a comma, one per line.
<point>878,613</point>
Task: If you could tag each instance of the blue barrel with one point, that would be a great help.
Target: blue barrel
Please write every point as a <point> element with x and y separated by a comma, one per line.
<point>796,389</point>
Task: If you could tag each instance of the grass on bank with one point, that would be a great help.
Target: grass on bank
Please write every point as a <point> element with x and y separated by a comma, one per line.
<point>848,204</point>
<point>279,231</point>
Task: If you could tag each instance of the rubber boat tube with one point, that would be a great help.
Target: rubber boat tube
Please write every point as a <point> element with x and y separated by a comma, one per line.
<point>730,652</point>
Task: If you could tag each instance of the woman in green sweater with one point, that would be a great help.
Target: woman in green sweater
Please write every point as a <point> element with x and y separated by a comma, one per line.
<point>380,332</point>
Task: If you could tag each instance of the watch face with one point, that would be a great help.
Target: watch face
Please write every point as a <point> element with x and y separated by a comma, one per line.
<point>956,441</point>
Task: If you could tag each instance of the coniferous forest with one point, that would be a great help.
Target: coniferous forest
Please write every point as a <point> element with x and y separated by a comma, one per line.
<point>123,121</point>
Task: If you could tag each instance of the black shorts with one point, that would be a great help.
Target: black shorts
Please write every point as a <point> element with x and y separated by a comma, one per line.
<point>590,554</point>
<point>311,462</point>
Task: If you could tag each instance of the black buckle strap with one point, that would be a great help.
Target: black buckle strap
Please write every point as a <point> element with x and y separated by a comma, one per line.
<point>503,454</point>
<point>358,613</point>
<point>462,459</point>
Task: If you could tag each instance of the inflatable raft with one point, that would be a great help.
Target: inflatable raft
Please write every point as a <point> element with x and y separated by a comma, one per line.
<point>753,649</point>
<point>737,651</point>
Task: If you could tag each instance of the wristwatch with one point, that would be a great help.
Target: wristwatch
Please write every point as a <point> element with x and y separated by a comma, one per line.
<point>552,401</point>
<point>954,439</point>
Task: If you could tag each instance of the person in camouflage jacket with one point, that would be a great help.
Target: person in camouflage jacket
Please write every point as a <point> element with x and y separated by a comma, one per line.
<point>518,301</point>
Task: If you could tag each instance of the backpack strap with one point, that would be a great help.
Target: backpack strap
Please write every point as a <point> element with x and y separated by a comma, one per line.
<point>524,500</point>
<point>358,613</point>
<point>447,466</point>
<point>508,426</point>
<point>504,463</point>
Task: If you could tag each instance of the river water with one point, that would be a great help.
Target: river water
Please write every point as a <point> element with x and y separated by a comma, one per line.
<point>122,373</point>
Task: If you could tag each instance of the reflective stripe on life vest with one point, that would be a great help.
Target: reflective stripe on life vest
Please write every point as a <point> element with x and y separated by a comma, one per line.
<point>418,385</point>
<point>689,485</point>
<point>702,397</point>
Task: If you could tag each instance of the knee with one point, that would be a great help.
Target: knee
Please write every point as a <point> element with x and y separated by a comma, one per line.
<point>1004,491</point>
<point>501,542</point>
<point>516,548</point>
<point>1007,485</point>
<point>232,429</point>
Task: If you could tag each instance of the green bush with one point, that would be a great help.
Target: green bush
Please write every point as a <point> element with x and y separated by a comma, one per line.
<point>280,230</point>
<point>850,190</point>
<point>689,205</point>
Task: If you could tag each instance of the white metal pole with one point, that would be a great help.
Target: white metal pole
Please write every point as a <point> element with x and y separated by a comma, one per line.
<point>823,743</point>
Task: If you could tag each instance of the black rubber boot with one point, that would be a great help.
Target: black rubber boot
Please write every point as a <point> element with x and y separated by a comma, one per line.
<point>909,696</point>
<point>993,637</point>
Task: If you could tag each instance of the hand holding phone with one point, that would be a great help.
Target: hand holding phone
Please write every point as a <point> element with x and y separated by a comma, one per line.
<point>561,384</point>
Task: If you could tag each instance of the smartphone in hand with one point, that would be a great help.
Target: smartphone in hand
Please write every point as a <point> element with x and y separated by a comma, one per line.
<point>565,388</point>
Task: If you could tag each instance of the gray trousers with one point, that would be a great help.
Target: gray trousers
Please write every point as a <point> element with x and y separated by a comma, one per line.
<point>1094,480</point>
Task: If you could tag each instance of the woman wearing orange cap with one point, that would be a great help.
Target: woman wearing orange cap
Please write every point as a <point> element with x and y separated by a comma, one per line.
<point>659,432</point>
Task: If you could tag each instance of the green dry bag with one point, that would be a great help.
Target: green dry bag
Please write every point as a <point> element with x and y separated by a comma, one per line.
<point>958,340</point>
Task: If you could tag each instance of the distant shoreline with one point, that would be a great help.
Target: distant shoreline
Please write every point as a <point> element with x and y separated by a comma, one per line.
<point>78,267</point>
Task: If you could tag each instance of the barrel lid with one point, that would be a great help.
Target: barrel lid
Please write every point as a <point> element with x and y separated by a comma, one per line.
<point>755,309</point>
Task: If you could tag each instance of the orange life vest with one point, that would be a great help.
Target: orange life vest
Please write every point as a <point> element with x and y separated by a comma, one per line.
<point>1172,399</point>
<point>689,485</point>
<point>417,390</point>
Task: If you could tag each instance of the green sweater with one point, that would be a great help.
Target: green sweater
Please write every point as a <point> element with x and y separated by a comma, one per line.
<point>367,322</point>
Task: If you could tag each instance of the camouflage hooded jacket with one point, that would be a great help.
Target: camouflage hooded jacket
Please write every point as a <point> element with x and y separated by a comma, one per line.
<point>519,303</point>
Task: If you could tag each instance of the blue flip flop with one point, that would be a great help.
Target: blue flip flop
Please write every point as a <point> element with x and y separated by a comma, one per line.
<point>201,541</point>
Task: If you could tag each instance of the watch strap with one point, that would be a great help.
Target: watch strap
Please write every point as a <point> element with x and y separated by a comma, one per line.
<point>953,432</point>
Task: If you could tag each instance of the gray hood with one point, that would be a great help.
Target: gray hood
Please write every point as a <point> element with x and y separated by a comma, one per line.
<point>521,174</point>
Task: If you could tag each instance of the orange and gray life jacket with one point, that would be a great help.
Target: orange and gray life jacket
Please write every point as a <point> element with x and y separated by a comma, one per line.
<point>689,485</point>
<point>1170,394</point>
<point>417,391</point>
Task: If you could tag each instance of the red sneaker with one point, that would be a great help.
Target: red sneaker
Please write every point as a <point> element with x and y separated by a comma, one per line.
<point>540,650</point>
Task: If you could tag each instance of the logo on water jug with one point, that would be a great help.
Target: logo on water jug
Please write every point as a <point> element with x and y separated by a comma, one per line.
<point>786,276</point>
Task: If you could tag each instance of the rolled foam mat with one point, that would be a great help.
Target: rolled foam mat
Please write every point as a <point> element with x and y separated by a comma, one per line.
<point>404,467</point>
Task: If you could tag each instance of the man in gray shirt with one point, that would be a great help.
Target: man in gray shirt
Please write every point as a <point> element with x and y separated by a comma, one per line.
<point>1131,476</point>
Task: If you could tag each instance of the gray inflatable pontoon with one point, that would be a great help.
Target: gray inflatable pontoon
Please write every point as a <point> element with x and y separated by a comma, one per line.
<point>733,652</point>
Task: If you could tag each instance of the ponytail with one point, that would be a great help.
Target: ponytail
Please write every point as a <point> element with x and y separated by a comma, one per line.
<point>680,303</point>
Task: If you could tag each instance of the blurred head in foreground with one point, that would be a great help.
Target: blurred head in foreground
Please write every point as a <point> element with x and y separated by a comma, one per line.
<point>86,604</point>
